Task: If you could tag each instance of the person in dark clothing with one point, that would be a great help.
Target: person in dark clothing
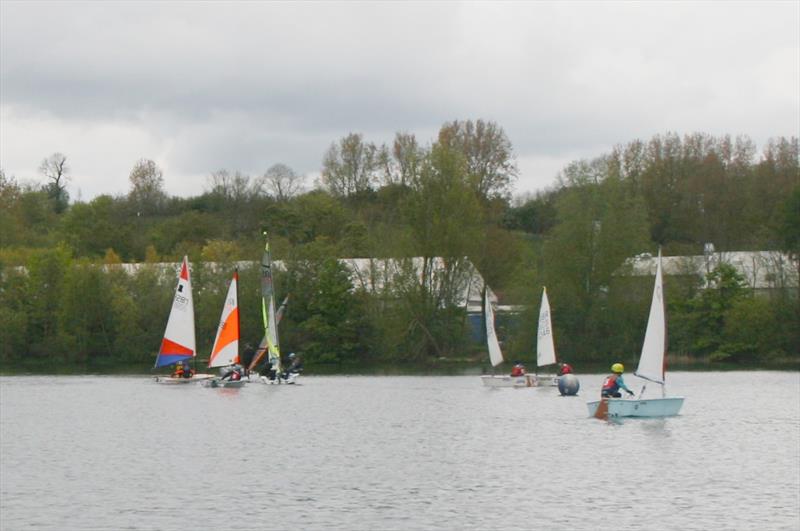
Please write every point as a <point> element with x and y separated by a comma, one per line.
<point>295,365</point>
<point>247,356</point>
<point>233,373</point>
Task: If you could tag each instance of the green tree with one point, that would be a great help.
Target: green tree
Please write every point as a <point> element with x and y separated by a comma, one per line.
<point>46,272</point>
<point>90,229</point>
<point>352,166</point>
<point>85,316</point>
<point>444,219</point>
<point>327,318</point>
<point>701,321</point>
<point>146,194</point>
<point>488,156</point>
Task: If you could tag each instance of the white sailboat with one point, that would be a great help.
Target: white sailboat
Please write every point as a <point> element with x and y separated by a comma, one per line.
<point>545,345</point>
<point>178,344</point>
<point>225,351</point>
<point>496,355</point>
<point>651,368</point>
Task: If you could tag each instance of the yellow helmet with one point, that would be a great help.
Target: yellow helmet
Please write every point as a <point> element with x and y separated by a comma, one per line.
<point>617,368</point>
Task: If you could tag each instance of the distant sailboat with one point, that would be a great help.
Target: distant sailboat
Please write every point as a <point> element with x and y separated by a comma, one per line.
<point>270,345</point>
<point>225,351</point>
<point>178,344</point>
<point>496,355</point>
<point>651,367</point>
<point>545,345</point>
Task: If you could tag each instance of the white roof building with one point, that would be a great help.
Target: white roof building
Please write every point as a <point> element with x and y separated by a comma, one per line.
<point>762,270</point>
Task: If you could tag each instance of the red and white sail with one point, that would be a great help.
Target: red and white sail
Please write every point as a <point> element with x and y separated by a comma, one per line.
<point>226,345</point>
<point>179,339</point>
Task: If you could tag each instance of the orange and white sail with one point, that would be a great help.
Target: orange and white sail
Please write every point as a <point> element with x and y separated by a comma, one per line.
<point>179,339</point>
<point>226,345</point>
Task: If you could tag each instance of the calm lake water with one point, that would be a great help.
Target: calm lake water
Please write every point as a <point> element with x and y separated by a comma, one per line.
<point>394,453</point>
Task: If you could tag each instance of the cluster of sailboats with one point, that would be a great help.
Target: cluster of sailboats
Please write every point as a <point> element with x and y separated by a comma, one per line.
<point>179,343</point>
<point>651,368</point>
<point>179,346</point>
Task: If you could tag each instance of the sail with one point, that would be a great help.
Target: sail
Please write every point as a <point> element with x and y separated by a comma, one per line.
<point>179,340</point>
<point>268,309</point>
<point>651,363</point>
<point>263,346</point>
<point>545,346</point>
<point>226,344</point>
<point>495,355</point>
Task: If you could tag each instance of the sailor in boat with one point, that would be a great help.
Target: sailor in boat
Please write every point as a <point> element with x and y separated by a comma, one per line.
<point>564,368</point>
<point>232,373</point>
<point>247,356</point>
<point>518,369</point>
<point>270,371</point>
<point>613,383</point>
<point>295,365</point>
<point>182,371</point>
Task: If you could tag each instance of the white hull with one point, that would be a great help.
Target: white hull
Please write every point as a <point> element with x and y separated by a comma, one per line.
<point>173,380</point>
<point>289,380</point>
<point>549,380</point>
<point>227,384</point>
<point>526,380</point>
<point>645,408</point>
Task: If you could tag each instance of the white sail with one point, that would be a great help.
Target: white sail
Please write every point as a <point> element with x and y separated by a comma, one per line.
<point>545,346</point>
<point>651,363</point>
<point>178,343</point>
<point>226,344</point>
<point>495,355</point>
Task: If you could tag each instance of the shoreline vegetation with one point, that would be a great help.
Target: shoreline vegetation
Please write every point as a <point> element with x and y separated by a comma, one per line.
<point>439,368</point>
<point>87,285</point>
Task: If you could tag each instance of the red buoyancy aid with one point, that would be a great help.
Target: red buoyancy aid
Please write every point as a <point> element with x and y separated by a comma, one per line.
<point>566,368</point>
<point>516,370</point>
<point>610,383</point>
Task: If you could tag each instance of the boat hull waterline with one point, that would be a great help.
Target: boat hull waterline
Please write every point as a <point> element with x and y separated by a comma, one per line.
<point>178,380</point>
<point>526,380</point>
<point>644,408</point>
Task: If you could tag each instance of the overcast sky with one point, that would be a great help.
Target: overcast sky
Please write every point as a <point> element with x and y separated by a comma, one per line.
<point>202,86</point>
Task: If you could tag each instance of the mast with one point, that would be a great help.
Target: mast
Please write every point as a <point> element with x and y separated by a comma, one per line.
<point>268,308</point>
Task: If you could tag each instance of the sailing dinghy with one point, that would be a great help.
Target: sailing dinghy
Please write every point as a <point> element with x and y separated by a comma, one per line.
<point>651,368</point>
<point>270,346</point>
<point>225,352</point>
<point>496,355</point>
<point>545,346</point>
<point>178,344</point>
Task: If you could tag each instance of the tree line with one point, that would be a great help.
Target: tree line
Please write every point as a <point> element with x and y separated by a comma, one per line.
<point>64,299</point>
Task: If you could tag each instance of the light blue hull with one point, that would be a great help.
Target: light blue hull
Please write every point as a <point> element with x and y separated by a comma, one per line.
<point>646,408</point>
